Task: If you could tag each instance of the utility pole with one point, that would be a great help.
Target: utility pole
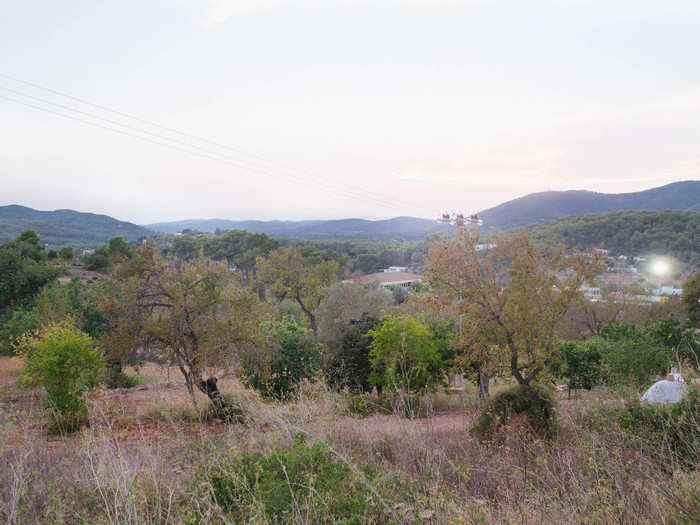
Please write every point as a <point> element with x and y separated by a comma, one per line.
<point>462,223</point>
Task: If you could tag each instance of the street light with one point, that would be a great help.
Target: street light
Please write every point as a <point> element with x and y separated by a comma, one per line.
<point>660,267</point>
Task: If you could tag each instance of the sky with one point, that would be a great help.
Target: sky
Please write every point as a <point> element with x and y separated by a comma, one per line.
<point>308,109</point>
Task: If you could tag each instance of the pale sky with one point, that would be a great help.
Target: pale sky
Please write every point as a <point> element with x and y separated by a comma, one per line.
<point>342,108</point>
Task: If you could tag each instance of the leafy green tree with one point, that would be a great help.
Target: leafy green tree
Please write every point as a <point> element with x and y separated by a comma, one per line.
<point>347,363</point>
<point>404,355</point>
<point>66,253</point>
<point>291,355</point>
<point>582,360</point>
<point>287,273</point>
<point>23,270</point>
<point>64,361</point>
<point>691,298</point>
<point>118,247</point>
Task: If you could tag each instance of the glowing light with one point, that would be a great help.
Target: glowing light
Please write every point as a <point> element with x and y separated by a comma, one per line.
<point>660,267</point>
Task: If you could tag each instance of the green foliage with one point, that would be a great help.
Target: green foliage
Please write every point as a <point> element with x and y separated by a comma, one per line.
<point>635,354</point>
<point>666,431</point>
<point>691,298</point>
<point>404,355</point>
<point>66,253</point>
<point>533,406</point>
<point>630,233</point>
<point>19,322</point>
<point>64,361</point>
<point>98,261</point>
<point>303,483</point>
<point>343,303</point>
<point>23,271</point>
<point>291,355</point>
<point>582,362</point>
<point>238,247</point>
<point>115,377</point>
<point>348,365</point>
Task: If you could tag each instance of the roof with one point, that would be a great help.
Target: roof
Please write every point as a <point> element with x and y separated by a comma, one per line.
<point>388,277</point>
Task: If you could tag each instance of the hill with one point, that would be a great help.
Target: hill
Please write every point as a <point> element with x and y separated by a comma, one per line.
<point>552,205</point>
<point>399,228</point>
<point>630,233</point>
<point>66,227</point>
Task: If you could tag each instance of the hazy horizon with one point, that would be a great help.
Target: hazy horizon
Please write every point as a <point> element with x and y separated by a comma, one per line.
<point>294,219</point>
<point>280,109</point>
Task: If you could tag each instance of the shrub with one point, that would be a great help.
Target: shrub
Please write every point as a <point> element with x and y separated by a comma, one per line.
<point>64,361</point>
<point>668,432</point>
<point>291,356</point>
<point>115,377</point>
<point>284,486</point>
<point>533,403</point>
<point>404,355</point>
<point>633,354</point>
<point>582,363</point>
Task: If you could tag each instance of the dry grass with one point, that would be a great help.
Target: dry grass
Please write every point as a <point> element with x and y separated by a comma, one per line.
<point>146,454</point>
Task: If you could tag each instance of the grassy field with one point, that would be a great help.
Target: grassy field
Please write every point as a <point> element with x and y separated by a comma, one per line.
<point>150,457</point>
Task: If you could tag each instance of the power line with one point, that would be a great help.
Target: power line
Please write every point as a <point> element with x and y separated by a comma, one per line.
<point>164,144</point>
<point>198,151</point>
<point>357,192</point>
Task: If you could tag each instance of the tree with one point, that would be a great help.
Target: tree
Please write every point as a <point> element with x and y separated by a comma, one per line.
<point>582,361</point>
<point>66,253</point>
<point>286,273</point>
<point>196,313</point>
<point>291,355</point>
<point>511,297</point>
<point>347,364</point>
<point>404,356</point>
<point>691,298</point>
<point>64,361</point>
<point>118,247</point>
<point>23,270</point>
<point>343,303</point>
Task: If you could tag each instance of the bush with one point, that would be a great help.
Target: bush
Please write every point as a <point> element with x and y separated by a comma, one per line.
<point>632,354</point>
<point>285,486</point>
<point>404,356</point>
<point>292,355</point>
<point>64,361</point>
<point>667,432</point>
<point>582,363</point>
<point>532,403</point>
<point>116,378</point>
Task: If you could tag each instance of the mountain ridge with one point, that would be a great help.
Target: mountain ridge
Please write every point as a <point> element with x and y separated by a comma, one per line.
<point>547,206</point>
<point>66,227</point>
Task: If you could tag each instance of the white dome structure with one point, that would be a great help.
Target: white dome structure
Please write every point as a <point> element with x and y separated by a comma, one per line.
<point>671,390</point>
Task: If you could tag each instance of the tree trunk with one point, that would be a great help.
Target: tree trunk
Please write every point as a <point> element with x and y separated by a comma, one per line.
<point>310,316</point>
<point>211,389</point>
<point>190,384</point>
<point>483,382</point>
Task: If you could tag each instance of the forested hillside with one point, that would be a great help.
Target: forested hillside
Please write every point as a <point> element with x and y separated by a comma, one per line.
<point>674,233</point>
<point>552,205</point>
<point>400,228</point>
<point>66,227</point>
